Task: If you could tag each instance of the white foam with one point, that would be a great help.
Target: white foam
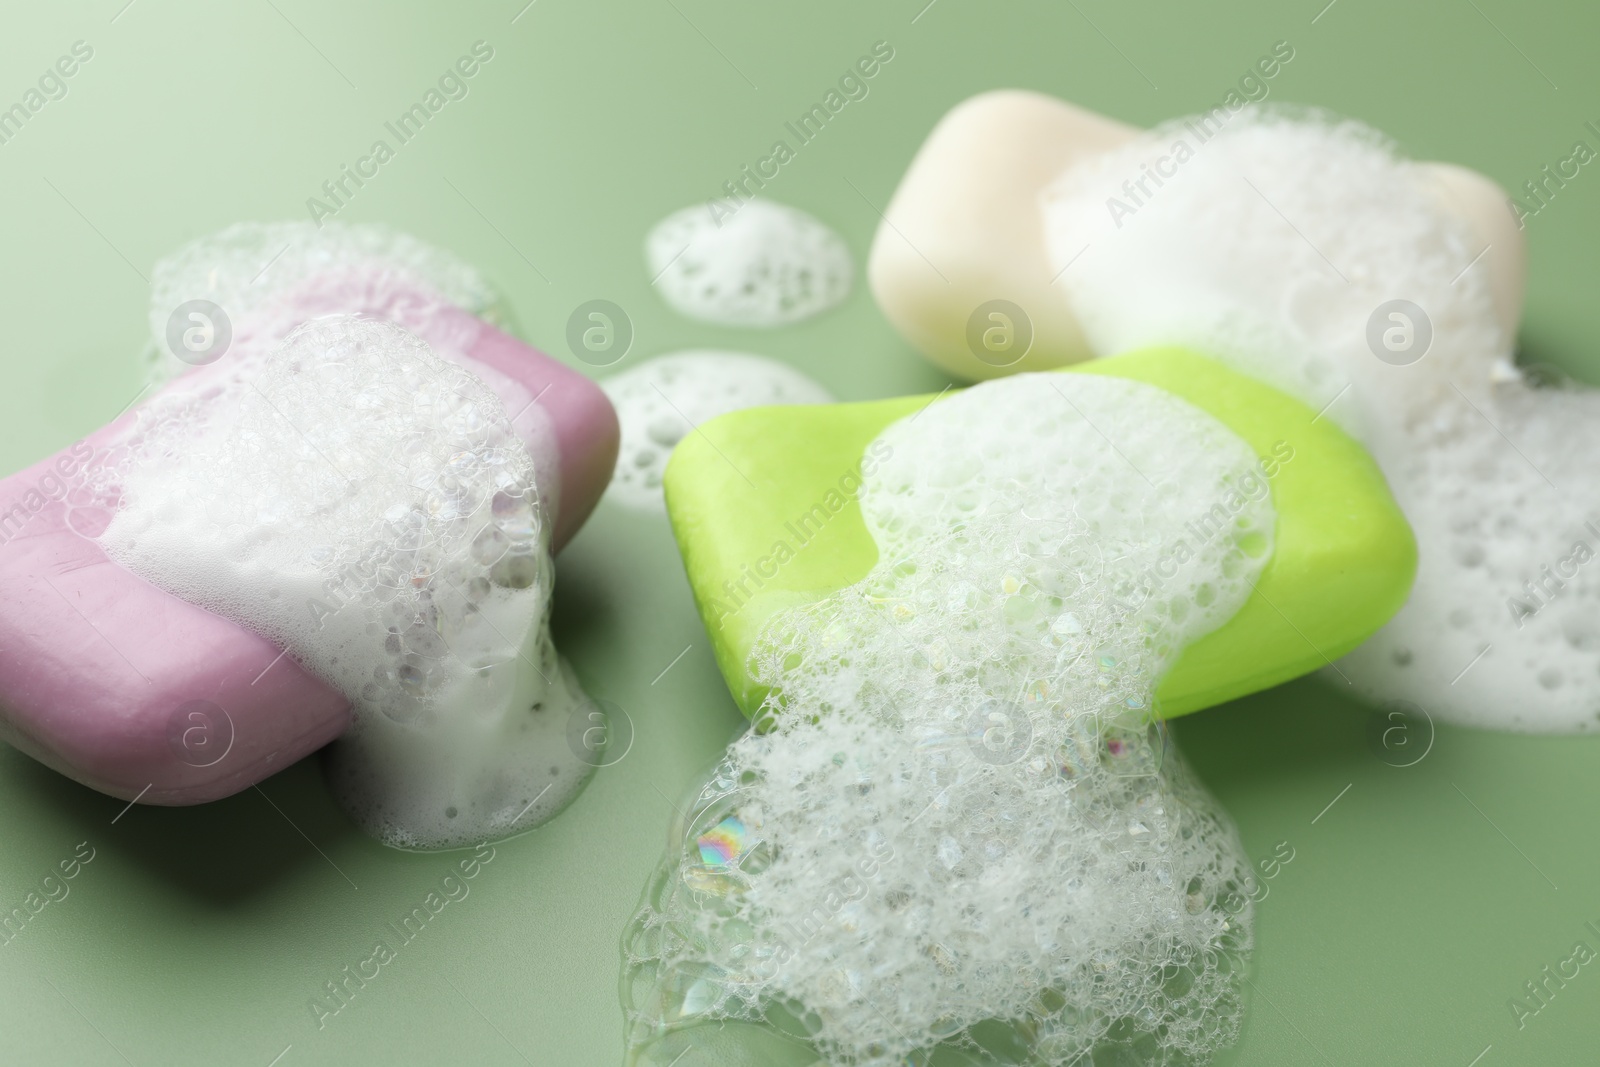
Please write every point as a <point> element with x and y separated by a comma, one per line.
<point>962,811</point>
<point>369,506</point>
<point>662,400</point>
<point>766,264</point>
<point>1271,248</point>
<point>250,265</point>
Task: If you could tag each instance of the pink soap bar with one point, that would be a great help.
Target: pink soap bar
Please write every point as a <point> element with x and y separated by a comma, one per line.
<point>136,693</point>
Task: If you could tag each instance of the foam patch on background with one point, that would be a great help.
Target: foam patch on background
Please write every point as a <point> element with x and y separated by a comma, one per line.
<point>763,264</point>
<point>1276,246</point>
<point>369,506</point>
<point>957,825</point>
<point>664,399</point>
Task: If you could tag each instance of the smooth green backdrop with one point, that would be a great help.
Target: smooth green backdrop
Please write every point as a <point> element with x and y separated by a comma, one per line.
<point>1415,906</point>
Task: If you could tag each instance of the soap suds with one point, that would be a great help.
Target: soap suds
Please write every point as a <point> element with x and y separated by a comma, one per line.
<point>251,265</point>
<point>1278,247</point>
<point>664,399</point>
<point>768,264</point>
<point>962,826</point>
<point>369,505</point>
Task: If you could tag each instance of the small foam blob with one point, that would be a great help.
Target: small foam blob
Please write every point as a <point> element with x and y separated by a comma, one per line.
<point>757,263</point>
<point>664,399</point>
<point>1305,251</point>
<point>959,824</point>
<point>253,265</point>
<point>369,505</point>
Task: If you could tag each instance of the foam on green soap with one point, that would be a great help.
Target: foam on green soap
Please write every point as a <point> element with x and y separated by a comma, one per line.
<point>793,533</point>
<point>962,795</point>
<point>958,621</point>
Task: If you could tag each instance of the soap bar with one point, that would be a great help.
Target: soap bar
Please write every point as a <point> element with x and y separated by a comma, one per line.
<point>136,693</point>
<point>754,480</point>
<point>963,229</point>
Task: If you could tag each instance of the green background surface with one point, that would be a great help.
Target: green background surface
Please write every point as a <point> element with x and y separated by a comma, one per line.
<point>1416,905</point>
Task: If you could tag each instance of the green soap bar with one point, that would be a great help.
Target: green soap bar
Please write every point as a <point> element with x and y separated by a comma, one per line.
<point>763,506</point>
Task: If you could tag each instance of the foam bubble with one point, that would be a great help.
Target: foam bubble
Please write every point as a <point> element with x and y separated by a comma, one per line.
<point>962,826</point>
<point>660,401</point>
<point>1279,247</point>
<point>765,264</point>
<point>368,505</point>
<point>251,265</point>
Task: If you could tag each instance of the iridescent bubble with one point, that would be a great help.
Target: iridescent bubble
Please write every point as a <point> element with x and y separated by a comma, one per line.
<point>514,516</point>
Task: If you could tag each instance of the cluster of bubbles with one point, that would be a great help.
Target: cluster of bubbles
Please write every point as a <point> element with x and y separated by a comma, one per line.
<point>368,505</point>
<point>957,826</point>
<point>755,263</point>
<point>252,266</point>
<point>1286,247</point>
<point>660,401</point>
